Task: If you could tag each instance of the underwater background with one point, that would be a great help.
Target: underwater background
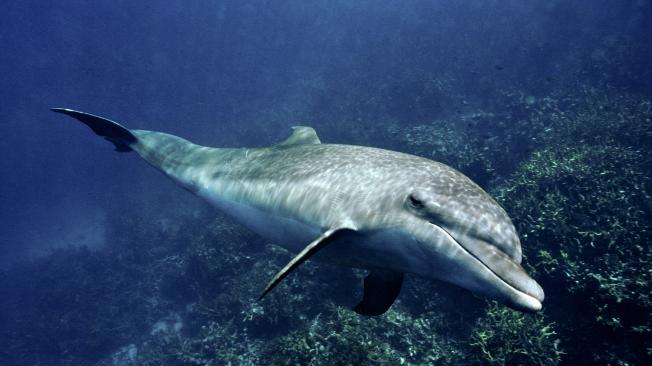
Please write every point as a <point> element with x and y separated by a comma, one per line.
<point>103,261</point>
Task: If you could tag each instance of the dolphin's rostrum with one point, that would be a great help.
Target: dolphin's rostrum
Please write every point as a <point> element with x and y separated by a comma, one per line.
<point>385,211</point>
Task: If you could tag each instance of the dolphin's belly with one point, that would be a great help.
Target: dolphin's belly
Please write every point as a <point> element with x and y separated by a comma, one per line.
<point>382,249</point>
<point>286,232</point>
<point>375,250</point>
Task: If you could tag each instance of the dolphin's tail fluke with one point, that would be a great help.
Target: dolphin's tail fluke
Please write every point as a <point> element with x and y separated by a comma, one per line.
<point>120,136</point>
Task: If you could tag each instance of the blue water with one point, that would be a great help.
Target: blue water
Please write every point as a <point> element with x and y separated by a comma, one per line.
<point>100,240</point>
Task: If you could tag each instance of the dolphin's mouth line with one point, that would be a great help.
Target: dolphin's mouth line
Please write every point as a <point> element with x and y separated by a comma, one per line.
<point>523,293</point>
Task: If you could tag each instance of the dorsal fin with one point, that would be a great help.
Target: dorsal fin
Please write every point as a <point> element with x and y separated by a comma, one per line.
<point>301,135</point>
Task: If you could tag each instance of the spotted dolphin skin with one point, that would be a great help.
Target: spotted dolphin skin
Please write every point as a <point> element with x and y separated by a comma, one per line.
<point>388,212</point>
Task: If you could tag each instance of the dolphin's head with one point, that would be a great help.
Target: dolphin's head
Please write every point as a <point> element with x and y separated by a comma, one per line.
<point>464,237</point>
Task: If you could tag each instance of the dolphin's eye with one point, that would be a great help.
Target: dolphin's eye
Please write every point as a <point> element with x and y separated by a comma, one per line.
<point>415,202</point>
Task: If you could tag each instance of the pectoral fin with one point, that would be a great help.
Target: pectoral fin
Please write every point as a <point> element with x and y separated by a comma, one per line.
<point>312,248</point>
<point>381,288</point>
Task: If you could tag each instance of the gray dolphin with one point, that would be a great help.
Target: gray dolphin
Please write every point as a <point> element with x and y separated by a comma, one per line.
<point>388,212</point>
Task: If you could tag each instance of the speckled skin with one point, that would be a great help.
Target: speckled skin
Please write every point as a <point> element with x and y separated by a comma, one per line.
<point>411,214</point>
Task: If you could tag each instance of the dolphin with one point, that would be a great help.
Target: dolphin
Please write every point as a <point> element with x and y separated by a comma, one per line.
<point>388,212</point>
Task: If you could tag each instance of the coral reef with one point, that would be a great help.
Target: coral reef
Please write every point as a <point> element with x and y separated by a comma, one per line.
<point>582,206</point>
<point>215,345</point>
<point>341,337</point>
<point>506,337</point>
